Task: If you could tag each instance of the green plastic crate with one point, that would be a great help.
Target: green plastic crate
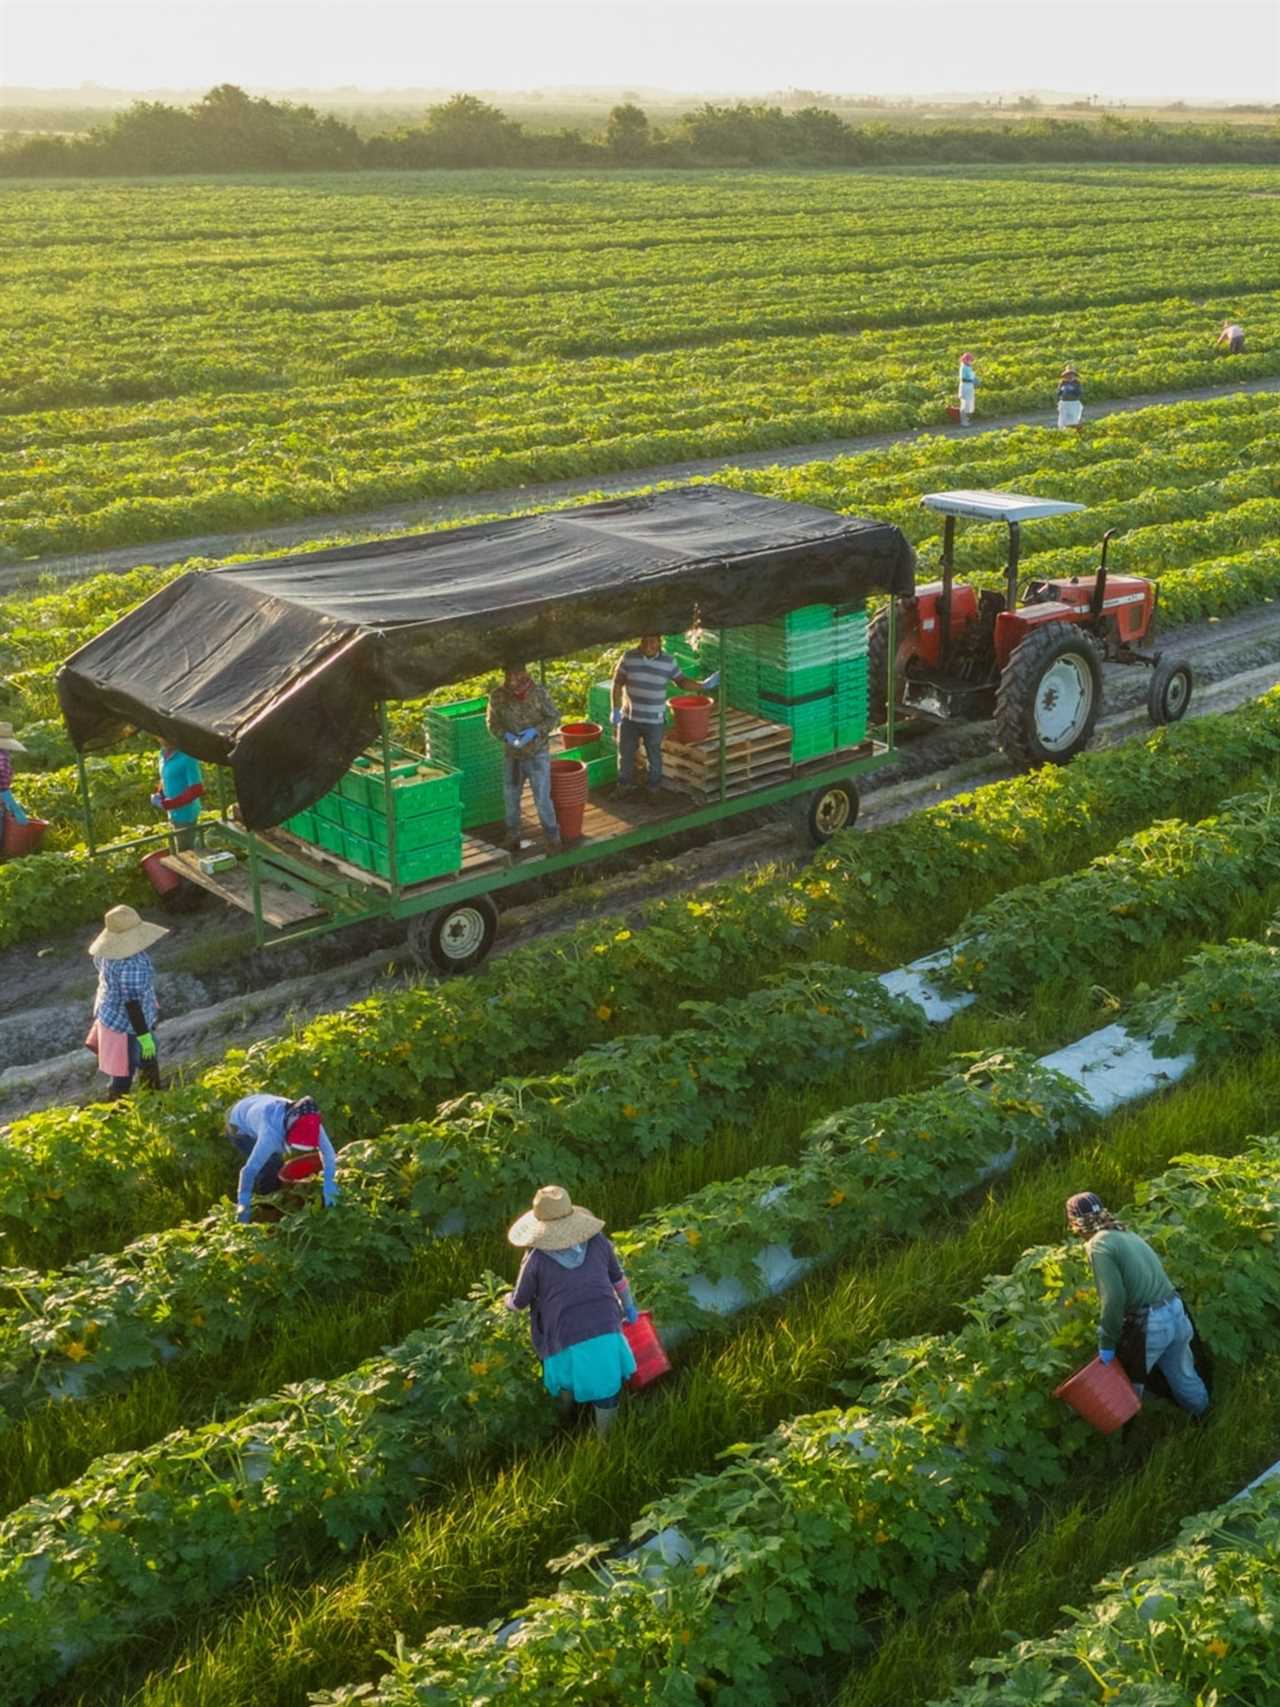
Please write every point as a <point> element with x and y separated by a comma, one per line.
<point>812,741</point>
<point>790,683</point>
<point>419,832</point>
<point>415,865</point>
<point>331,837</point>
<point>851,731</point>
<point>302,825</point>
<point>600,759</point>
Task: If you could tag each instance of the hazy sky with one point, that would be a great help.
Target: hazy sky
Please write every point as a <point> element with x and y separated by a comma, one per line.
<point>1217,49</point>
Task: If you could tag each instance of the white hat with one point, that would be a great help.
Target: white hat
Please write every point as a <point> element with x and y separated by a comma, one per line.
<point>554,1223</point>
<point>9,742</point>
<point>123,934</point>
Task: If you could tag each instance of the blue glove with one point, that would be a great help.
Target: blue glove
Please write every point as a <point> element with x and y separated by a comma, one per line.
<point>615,716</point>
<point>632,1314</point>
<point>1106,1356</point>
<point>511,740</point>
<point>711,681</point>
<point>157,800</point>
<point>527,735</point>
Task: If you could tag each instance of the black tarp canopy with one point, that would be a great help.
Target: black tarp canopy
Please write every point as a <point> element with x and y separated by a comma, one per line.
<point>277,668</point>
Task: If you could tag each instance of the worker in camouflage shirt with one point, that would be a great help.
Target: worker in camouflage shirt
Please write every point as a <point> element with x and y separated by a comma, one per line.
<point>522,715</point>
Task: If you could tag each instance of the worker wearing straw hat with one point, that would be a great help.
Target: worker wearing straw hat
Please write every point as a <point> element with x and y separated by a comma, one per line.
<point>573,1287</point>
<point>967,386</point>
<point>125,1009</point>
<point>1070,398</point>
<point>9,808</point>
<point>1142,1320</point>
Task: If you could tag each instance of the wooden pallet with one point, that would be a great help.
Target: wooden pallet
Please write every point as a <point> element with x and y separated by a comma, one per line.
<point>756,754</point>
<point>281,907</point>
<point>478,856</point>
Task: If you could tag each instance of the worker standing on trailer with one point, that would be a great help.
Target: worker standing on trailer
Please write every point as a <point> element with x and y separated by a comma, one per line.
<point>522,715</point>
<point>1070,398</point>
<point>640,682</point>
<point>967,387</point>
<point>1143,1320</point>
<point>1232,335</point>
<point>125,1009</point>
<point>9,807</point>
<point>279,1141</point>
<point>179,794</point>
<point>573,1287</point>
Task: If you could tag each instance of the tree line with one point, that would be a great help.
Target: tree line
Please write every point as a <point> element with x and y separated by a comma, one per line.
<point>231,131</point>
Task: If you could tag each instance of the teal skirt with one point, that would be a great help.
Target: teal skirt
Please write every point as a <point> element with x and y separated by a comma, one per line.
<point>592,1371</point>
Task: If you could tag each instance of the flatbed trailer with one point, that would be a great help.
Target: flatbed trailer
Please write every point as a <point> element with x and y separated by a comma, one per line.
<point>294,890</point>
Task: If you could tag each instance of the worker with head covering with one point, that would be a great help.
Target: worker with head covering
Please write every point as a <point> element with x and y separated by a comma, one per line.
<point>125,1009</point>
<point>573,1287</point>
<point>9,807</point>
<point>279,1141</point>
<point>522,715</point>
<point>1142,1317</point>
<point>1070,398</point>
<point>966,387</point>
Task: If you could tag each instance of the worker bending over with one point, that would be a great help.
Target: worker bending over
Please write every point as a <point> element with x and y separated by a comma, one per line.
<point>280,1141</point>
<point>1232,335</point>
<point>1143,1320</point>
<point>640,683</point>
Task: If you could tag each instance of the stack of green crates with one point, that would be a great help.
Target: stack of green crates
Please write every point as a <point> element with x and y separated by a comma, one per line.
<point>351,821</point>
<point>458,739</point>
<point>806,670</point>
<point>852,691</point>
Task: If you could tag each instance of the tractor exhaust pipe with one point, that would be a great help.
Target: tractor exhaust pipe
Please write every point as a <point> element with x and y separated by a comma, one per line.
<point>1100,580</point>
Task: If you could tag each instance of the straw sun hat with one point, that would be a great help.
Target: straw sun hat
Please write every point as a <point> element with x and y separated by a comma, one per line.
<point>123,934</point>
<point>554,1223</point>
<point>9,742</point>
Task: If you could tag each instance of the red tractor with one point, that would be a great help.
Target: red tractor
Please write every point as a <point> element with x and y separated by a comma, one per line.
<point>1030,657</point>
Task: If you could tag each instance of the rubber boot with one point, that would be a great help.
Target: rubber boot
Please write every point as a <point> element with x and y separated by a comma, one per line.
<point>606,1416</point>
<point>565,1406</point>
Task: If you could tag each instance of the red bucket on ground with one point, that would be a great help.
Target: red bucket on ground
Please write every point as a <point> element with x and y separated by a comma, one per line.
<point>1102,1394</point>
<point>569,796</point>
<point>22,839</point>
<point>953,411</point>
<point>651,1361</point>
<point>158,875</point>
<point>301,1167</point>
<point>692,712</point>
<point>580,734</point>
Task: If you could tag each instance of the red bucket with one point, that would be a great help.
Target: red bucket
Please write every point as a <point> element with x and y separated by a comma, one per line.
<point>302,1167</point>
<point>953,411</point>
<point>22,839</point>
<point>158,874</point>
<point>651,1361</point>
<point>1102,1394</point>
<point>569,796</point>
<point>580,734</point>
<point>692,712</point>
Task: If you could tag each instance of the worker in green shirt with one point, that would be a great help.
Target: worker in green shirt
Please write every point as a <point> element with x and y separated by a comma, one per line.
<point>1141,1313</point>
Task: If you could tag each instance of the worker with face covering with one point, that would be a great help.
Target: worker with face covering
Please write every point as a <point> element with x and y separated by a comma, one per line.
<point>1143,1320</point>
<point>522,715</point>
<point>279,1141</point>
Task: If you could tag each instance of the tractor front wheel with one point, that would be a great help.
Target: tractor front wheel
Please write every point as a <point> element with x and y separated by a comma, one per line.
<point>1170,692</point>
<point>1049,697</point>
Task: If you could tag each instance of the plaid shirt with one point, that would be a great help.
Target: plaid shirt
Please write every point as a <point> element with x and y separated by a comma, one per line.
<point>120,982</point>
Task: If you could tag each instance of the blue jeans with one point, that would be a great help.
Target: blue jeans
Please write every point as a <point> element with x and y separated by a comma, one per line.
<point>1169,1348</point>
<point>536,771</point>
<point>630,735</point>
<point>269,1179</point>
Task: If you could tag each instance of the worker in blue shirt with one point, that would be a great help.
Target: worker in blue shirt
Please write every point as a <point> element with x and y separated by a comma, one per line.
<point>280,1141</point>
<point>179,794</point>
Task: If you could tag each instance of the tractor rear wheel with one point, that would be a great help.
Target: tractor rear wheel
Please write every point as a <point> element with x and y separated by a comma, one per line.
<point>1169,694</point>
<point>878,667</point>
<point>1049,697</point>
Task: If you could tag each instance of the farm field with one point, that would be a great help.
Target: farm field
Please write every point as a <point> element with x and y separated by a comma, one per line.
<point>311,347</point>
<point>311,1460</point>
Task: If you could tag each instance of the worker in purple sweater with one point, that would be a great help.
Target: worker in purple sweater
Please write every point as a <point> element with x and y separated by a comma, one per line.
<point>573,1287</point>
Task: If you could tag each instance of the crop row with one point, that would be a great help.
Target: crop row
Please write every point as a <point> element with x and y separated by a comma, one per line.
<point>615,1109</point>
<point>475,1161</point>
<point>1195,1623</point>
<point>69,1176</point>
<point>790,1551</point>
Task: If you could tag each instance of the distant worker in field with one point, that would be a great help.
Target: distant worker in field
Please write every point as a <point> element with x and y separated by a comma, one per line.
<point>125,1009</point>
<point>640,682</point>
<point>181,788</point>
<point>968,384</point>
<point>1232,335</point>
<point>1070,398</point>
<point>522,715</point>
<point>9,807</point>
<point>280,1142</point>
<point>1143,1320</point>
<point>577,1296</point>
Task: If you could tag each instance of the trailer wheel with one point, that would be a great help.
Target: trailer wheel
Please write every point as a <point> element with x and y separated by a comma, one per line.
<point>1170,692</point>
<point>454,939</point>
<point>824,813</point>
<point>1049,697</point>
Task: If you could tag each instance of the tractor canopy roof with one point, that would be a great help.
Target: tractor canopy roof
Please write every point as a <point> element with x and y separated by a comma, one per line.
<point>277,668</point>
<point>996,506</point>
